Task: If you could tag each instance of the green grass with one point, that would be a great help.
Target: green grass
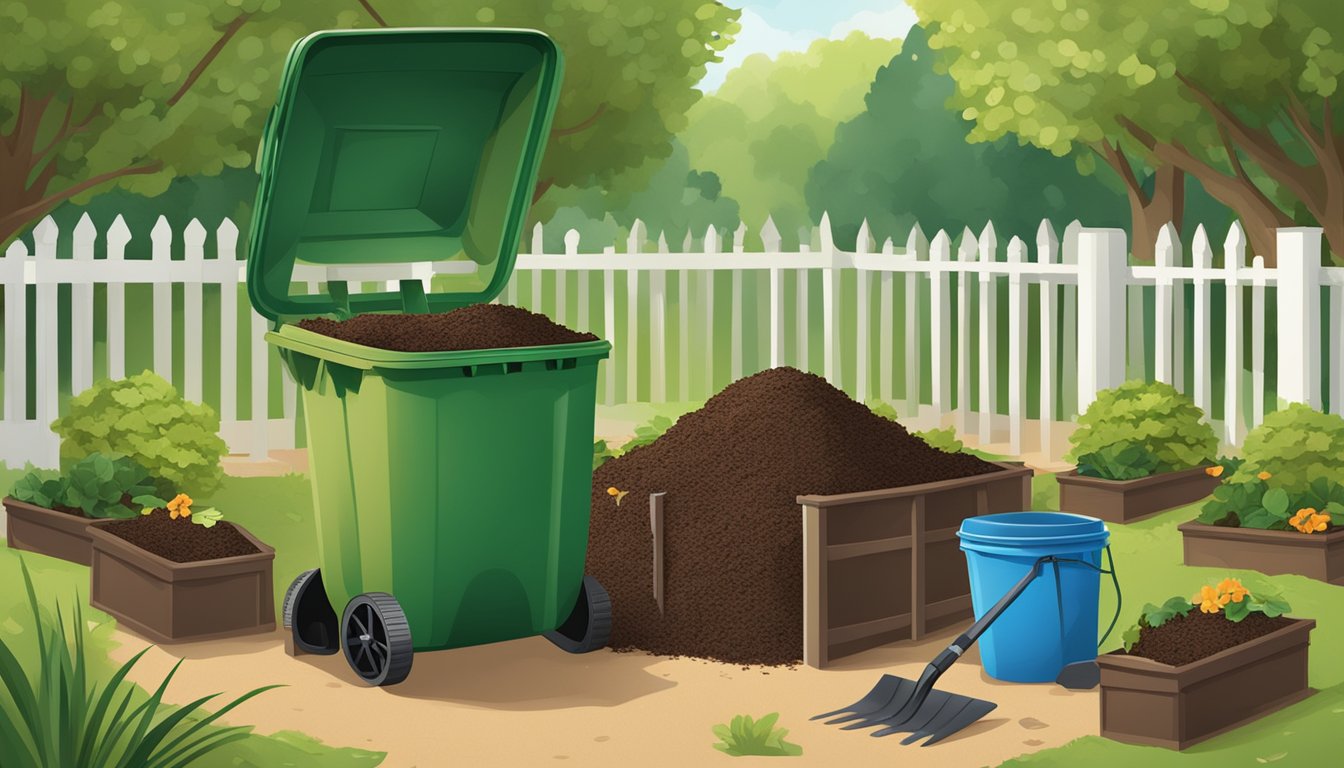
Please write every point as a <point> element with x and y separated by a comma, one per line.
<point>279,510</point>
<point>1148,561</point>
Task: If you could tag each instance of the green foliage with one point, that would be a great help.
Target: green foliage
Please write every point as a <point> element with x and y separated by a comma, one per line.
<point>1125,460</point>
<point>1266,600</point>
<point>1156,616</point>
<point>95,485</point>
<point>773,119</point>
<point>137,95</point>
<point>602,453</point>
<point>944,439</point>
<point>745,736</point>
<point>144,418</point>
<point>206,518</point>
<point>648,432</point>
<point>1255,503</point>
<point>888,411</point>
<point>1153,414</point>
<point>905,159</point>
<point>1297,445</point>
<point>56,713</point>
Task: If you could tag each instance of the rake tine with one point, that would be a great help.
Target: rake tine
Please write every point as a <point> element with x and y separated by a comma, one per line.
<point>950,709</point>
<point>970,714</point>
<point>894,703</point>
<point>876,699</point>
<point>917,721</point>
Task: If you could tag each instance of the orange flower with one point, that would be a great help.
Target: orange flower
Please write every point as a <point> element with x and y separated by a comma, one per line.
<point>1308,520</point>
<point>1214,471</point>
<point>180,506</point>
<point>1231,589</point>
<point>1264,475</point>
<point>1209,600</point>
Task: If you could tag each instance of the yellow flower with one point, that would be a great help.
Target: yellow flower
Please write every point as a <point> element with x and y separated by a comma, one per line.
<point>1264,475</point>
<point>612,491</point>
<point>1317,522</point>
<point>1214,471</point>
<point>180,506</point>
<point>1209,600</point>
<point>1306,520</point>
<point>1231,589</point>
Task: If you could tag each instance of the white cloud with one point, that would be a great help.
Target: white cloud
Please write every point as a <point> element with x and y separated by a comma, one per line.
<point>757,36</point>
<point>895,22</point>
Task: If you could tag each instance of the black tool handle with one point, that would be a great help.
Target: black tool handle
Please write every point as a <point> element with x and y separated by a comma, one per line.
<point>966,639</point>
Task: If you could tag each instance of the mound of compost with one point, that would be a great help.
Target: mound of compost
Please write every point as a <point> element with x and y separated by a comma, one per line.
<point>479,326</point>
<point>732,536</point>
<point>1197,635</point>
<point>180,540</point>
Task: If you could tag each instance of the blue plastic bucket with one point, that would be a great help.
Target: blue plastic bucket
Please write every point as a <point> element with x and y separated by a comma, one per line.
<point>1054,621</point>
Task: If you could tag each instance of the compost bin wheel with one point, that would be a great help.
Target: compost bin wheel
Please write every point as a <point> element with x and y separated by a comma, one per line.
<point>588,627</point>
<point>308,615</point>
<point>377,639</point>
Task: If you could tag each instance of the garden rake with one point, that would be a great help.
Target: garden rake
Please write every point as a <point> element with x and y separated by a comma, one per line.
<point>900,705</point>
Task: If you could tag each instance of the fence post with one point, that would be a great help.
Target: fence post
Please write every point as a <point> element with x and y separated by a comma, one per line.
<point>161,237</point>
<point>1202,259</point>
<point>830,298</point>
<point>989,337</point>
<point>1017,347</point>
<point>965,252</point>
<point>1299,340</point>
<point>1234,258</point>
<point>916,249</point>
<point>81,311</point>
<point>1167,255</point>
<point>46,336</point>
<point>770,244</point>
<point>1101,294</point>
<point>16,328</point>
<point>940,321</point>
<point>862,317</point>
<point>1047,251</point>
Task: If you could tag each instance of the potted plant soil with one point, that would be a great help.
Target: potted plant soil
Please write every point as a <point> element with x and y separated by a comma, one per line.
<point>1141,448</point>
<point>174,574</point>
<point>50,514</point>
<point>1279,510</point>
<point>1187,675</point>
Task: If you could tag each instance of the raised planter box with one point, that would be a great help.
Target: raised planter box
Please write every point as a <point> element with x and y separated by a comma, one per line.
<point>47,531</point>
<point>174,602</point>
<point>882,566</point>
<point>1147,702</point>
<point>1123,501</point>
<point>1317,556</point>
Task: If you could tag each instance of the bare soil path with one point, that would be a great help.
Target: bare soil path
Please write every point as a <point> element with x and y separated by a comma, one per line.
<point>525,703</point>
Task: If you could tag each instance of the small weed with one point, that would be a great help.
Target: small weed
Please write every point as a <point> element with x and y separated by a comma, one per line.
<point>745,736</point>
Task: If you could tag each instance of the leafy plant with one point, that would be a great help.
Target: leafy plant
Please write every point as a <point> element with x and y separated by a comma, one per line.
<point>888,411</point>
<point>1229,596</point>
<point>943,439</point>
<point>745,736</point>
<point>1153,414</point>
<point>648,432</point>
<point>1253,503</point>
<point>207,518</point>
<point>144,418</point>
<point>57,714</point>
<point>95,485</point>
<point>1124,460</point>
<point>1295,446</point>
<point>602,453</point>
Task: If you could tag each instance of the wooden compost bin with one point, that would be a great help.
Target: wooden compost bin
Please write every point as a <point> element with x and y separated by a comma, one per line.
<point>1148,702</point>
<point>882,566</point>
<point>1317,556</point>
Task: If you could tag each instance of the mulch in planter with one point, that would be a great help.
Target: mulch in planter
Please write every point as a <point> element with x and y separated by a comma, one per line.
<point>733,527</point>
<point>479,326</point>
<point>1197,635</point>
<point>181,540</point>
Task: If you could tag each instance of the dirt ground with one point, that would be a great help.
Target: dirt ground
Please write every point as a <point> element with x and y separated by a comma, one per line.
<point>525,703</point>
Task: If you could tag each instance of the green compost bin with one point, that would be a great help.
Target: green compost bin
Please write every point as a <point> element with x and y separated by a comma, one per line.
<point>455,482</point>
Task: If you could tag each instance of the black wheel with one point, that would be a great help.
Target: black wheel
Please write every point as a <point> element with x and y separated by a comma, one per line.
<point>308,615</point>
<point>377,639</point>
<point>588,627</point>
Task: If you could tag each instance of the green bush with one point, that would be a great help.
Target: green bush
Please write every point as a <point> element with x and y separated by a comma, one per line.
<point>1119,461</point>
<point>1296,446</point>
<point>1254,503</point>
<point>56,713</point>
<point>144,418</point>
<point>602,453</point>
<point>1153,415</point>
<point>648,432</point>
<point>96,485</point>
<point>761,738</point>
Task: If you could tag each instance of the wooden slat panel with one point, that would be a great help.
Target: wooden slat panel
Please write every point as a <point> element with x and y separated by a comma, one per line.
<point>850,632</point>
<point>815,640</point>
<point>917,557</point>
<point>860,548</point>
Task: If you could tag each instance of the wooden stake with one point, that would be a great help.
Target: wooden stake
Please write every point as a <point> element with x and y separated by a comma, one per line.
<point>656,525</point>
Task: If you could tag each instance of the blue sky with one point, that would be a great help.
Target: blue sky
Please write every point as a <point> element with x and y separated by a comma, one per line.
<point>773,26</point>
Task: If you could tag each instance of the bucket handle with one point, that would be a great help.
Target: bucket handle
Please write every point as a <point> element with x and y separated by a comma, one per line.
<point>1115,581</point>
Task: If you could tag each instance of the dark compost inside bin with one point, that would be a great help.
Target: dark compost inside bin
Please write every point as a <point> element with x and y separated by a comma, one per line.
<point>479,326</point>
<point>1198,635</point>
<point>179,540</point>
<point>733,532</point>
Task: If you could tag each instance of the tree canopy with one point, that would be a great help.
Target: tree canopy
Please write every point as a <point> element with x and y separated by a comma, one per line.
<point>99,93</point>
<point>906,159</point>
<point>1241,95</point>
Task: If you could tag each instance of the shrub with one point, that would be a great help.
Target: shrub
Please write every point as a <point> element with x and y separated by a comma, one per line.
<point>1153,415</point>
<point>1119,461</point>
<point>96,485</point>
<point>144,418</point>
<point>1296,446</point>
<point>1255,504</point>
<point>761,738</point>
<point>57,714</point>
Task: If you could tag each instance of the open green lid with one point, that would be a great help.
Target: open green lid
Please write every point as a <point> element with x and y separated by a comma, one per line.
<point>396,146</point>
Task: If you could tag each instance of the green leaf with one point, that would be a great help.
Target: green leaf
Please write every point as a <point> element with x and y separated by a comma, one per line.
<point>1237,611</point>
<point>1131,637</point>
<point>1276,503</point>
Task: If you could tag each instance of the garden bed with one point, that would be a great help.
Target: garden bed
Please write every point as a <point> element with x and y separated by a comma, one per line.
<point>51,532</point>
<point>1317,556</point>
<point>1148,702</point>
<point>172,601</point>
<point>1123,501</point>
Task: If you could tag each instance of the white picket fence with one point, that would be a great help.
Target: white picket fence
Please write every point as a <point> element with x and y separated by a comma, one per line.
<point>1089,324</point>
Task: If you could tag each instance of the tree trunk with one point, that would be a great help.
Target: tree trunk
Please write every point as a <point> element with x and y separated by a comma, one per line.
<point>1165,205</point>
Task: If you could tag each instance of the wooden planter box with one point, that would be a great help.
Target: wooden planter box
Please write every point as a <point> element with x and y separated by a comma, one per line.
<point>173,602</point>
<point>47,531</point>
<point>1318,555</point>
<point>882,566</point>
<point>1123,501</point>
<point>1146,702</point>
